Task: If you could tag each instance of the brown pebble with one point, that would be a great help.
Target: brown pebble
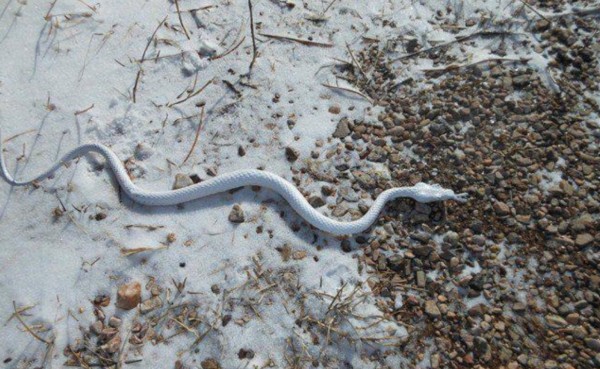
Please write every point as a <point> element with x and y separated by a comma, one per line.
<point>129,295</point>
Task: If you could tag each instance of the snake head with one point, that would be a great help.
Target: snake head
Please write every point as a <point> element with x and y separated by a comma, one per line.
<point>432,193</point>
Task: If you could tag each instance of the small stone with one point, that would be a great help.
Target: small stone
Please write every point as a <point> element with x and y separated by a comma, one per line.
<point>593,343</point>
<point>210,363</point>
<point>292,154</point>
<point>129,295</point>
<point>501,208</point>
<point>432,309</point>
<point>420,278</point>
<point>335,109</point>
<point>181,181</point>
<point>215,289</point>
<point>299,255</point>
<point>236,215</point>
<point>584,239</point>
<point>151,304</point>
<point>316,201</point>
<point>114,322</point>
<point>113,345</point>
<point>241,151</point>
<point>245,354</point>
<point>343,129</point>
<point>346,246</point>
<point>482,349</point>
<point>171,237</point>
<point>555,321</point>
<point>96,327</point>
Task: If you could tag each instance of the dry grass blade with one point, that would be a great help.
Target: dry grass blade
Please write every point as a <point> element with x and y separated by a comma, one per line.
<point>200,124</point>
<point>137,250</point>
<point>181,20</point>
<point>253,37</point>
<point>348,90</point>
<point>189,96</point>
<point>299,40</point>
<point>27,328</point>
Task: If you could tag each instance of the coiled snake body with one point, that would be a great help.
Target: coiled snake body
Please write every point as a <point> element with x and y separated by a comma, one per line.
<point>420,192</point>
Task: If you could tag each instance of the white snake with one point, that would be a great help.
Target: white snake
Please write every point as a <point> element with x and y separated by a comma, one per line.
<point>420,192</point>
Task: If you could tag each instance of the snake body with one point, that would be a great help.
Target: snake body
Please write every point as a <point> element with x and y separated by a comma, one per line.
<point>420,192</point>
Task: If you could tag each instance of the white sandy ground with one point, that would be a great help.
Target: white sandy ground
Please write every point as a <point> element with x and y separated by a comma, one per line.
<point>90,59</point>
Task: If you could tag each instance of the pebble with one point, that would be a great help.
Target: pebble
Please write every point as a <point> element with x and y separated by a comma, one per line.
<point>210,363</point>
<point>292,154</point>
<point>584,239</point>
<point>236,215</point>
<point>335,109</point>
<point>129,295</point>
<point>432,309</point>
<point>181,181</point>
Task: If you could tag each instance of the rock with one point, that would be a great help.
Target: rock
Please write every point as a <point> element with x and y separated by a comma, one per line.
<point>129,295</point>
<point>245,354</point>
<point>96,327</point>
<point>343,129</point>
<point>421,278</point>
<point>482,349</point>
<point>113,345</point>
<point>584,239</point>
<point>151,304</point>
<point>555,321</point>
<point>215,289</point>
<point>593,343</point>
<point>316,201</point>
<point>299,255</point>
<point>348,194</point>
<point>346,246</point>
<point>236,215</point>
<point>501,208</point>
<point>114,322</point>
<point>292,154</point>
<point>432,309</point>
<point>181,181</point>
<point>335,109</point>
<point>541,25</point>
<point>210,363</point>
<point>241,151</point>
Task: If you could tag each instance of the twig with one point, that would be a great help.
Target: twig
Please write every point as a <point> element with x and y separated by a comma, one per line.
<point>27,327</point>
<point>348,90</point>
<point>84,110</point>
<point>535,11</point>
<point>137,250</point>
<point>47,17</point>
<point>139,73</point>
<point>228,51</point>
<point>200,124</point>
<point>181,20</point>
<point>329,6</point>
<point>253,37</point>
<point>19,134</point>
<point>302,41</point>
<point>189,96</point>
<point>355,61</point>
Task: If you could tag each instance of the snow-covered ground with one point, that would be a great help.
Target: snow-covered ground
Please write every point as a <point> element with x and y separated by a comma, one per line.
<point>77,71</point>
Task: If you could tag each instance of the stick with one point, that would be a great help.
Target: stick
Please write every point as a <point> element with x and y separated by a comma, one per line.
<point>304,42</point>
<point>253,37</point>
<point>195,138</point>
<point>228,51</point>
<point>181,20</point>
